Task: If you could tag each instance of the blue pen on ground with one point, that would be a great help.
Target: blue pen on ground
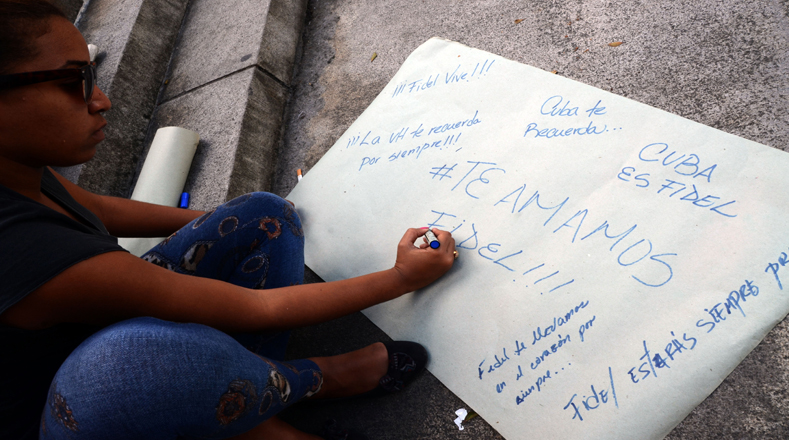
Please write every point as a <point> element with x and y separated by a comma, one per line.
<point>432,241</point>
<point>184,202</point>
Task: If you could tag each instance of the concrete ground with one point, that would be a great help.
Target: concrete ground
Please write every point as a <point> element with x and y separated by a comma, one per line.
<point>723,63</point>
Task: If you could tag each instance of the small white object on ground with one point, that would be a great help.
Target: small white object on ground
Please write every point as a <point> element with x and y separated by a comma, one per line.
<point>461,413</point>
<point>93,50</point>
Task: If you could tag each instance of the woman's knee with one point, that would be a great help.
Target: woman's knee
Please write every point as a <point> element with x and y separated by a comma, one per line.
<point>127,346</point>
<point>123,366</point>
<point>258,196</point>
<point>137,370</point>
<point>247,232</point>
<point>271,211</point>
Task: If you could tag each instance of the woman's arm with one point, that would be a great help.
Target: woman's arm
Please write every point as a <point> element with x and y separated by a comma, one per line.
<point>115,286</point>
<point>130,218</point>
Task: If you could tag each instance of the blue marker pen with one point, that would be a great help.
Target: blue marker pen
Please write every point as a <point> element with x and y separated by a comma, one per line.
<point>431,239</point>
<point>184,203</point>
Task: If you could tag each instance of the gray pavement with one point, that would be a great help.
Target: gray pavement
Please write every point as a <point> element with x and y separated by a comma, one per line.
<point>722,63</point>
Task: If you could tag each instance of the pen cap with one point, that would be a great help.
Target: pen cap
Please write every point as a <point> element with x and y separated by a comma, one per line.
<point>432,240</point>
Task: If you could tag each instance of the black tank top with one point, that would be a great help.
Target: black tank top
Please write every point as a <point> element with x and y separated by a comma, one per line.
<point>36,244</point>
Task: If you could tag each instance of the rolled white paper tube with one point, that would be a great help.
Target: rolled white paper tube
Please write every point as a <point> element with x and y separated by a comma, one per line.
<point>163,176</point>
<point>166,167</point>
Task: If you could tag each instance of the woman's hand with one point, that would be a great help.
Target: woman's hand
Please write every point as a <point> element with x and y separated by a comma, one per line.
<point>420,266</point>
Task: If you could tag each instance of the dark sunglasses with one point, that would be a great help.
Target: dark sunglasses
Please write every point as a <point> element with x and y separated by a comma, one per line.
<point>86,73</point>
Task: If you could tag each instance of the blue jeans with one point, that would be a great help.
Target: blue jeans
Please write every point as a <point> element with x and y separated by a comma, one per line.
<point>153,379</point>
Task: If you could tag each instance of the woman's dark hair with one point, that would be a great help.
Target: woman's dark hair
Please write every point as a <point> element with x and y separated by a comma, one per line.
<point>21,21</point>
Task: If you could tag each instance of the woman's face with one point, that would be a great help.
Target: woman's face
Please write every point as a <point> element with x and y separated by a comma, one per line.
<point>49,123</point>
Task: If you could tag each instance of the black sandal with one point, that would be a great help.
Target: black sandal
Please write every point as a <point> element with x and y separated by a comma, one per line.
<point>406,360</point>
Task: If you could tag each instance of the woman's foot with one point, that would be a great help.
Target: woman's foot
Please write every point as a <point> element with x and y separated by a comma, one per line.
<point>378,369</point>
<point>352,373</point>
<point>406,360</point>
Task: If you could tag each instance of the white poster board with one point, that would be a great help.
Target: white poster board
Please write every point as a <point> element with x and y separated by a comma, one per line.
<point>616,261</point>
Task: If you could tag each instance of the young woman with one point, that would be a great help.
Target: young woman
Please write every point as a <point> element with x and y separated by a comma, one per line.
<point>185,342</point>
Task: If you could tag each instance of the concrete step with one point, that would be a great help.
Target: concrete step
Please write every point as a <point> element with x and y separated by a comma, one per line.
<point>229,81</point>
<point>222,69</point>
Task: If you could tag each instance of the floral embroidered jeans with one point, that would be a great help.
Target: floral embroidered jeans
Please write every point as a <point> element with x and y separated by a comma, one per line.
<point>145,378</point>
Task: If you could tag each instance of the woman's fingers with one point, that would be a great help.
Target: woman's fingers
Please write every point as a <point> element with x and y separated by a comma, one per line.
<point>422,265</point>
<point>443,237</point>
<point>411,235</point>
